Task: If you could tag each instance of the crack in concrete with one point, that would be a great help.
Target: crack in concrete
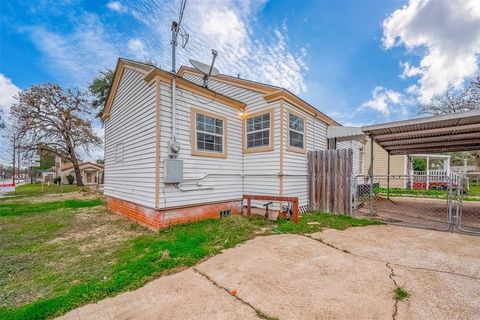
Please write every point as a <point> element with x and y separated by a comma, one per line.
<point>392,263</point>
<point>259,313</point>
<point>395,306</point>
<point>391,275</point>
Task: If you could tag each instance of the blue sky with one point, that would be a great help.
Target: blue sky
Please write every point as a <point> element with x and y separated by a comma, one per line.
<point>360,62</point>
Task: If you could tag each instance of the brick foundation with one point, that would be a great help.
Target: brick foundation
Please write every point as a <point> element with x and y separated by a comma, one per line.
<point>157,219</point>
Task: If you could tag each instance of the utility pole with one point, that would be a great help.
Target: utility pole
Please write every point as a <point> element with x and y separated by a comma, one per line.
<point>13,170</point>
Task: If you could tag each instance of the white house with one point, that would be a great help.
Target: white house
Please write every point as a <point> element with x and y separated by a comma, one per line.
<point>235,137</point>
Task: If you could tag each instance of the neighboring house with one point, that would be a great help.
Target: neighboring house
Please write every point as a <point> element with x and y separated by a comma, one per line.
<point>236,137</point>
<point>47,175</point>
<point>92,173</point>
<point>437,166</point>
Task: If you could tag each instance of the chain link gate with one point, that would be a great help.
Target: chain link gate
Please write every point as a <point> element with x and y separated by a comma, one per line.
<point>466,208</point>
<point>426,201</point>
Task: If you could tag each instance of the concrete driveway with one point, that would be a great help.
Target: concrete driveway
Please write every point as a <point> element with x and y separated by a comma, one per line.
<point>333,274</point>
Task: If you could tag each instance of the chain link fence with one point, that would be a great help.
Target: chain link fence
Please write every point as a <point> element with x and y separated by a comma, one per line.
<point>437,202</point>
<point>466,206</point>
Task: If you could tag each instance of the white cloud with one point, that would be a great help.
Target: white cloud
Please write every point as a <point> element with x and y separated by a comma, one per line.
<point>448,35</point>
<point>227,26</point>
<point>8,90</point>
<point>116,6</point>
<point>385,101</point>
<point>77,56</point>
<point>137,47</point>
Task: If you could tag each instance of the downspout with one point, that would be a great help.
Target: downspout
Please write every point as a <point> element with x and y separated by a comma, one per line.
<point>174,110</point>
<point>174,147</point>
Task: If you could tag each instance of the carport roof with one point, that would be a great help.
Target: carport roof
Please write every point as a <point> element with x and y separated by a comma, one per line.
<point>446,133</point>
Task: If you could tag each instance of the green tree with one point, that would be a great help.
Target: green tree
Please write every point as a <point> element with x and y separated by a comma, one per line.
<point>99,88</point>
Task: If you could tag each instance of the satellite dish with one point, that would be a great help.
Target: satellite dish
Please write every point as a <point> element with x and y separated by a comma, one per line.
<point>207,70</point>
<point>204,68</point>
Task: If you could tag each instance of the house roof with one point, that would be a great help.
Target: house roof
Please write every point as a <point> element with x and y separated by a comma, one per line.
<point>272,93</point>
<point>152,72</point>
<point>446,133</point>
<point>81,165</point>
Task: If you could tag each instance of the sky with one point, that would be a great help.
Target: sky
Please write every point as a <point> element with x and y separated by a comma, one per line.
<point>360,62</point>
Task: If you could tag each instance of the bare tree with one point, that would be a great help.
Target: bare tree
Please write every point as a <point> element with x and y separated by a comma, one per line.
<point>457,100</point>
<point>56,118</point>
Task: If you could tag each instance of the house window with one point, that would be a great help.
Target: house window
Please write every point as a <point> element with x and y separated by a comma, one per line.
<point>296,132</point>
<point>258,132</point>
<point>119,152</point>
<point>208,134</point>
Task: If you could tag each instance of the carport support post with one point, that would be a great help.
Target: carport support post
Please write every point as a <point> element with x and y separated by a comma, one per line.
<point>388,176</point>
<point>371,175</point>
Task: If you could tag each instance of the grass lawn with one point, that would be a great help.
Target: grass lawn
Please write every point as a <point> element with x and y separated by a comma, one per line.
<point>474,190</point>
<point>28,190</point>
<point>64,256</point>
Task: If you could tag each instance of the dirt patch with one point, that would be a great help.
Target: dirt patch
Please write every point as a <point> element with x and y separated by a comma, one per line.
<point>95,228</point>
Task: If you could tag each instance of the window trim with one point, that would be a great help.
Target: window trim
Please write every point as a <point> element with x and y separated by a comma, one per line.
<point>304,118</point>
<point>193,134</point>
<point>270,146</point>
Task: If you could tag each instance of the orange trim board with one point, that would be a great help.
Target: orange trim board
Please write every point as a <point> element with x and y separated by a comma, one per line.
<point>271,145</point>
<point>272,93</point>
<point>193,134</point>
<point>117,75</point>
<point>195,88</point>
<point>152,73</point>
<point>242,83</point>
<point>299,103</point>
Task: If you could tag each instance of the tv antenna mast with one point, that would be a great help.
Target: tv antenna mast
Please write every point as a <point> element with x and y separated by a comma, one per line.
<point>207,70</point>
<point>177,30</point>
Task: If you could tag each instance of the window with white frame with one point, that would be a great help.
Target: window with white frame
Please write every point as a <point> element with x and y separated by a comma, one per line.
<point>296,132</point>
<point>209,133</point>
<point>258,130</point>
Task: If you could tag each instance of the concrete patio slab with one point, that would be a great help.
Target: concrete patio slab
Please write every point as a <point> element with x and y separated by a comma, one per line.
<point>351,275</point>
<point>294,277</point>
<point>420,248</point>
<point>184,295</point>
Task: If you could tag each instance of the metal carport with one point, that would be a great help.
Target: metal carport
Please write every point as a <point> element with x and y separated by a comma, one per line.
<point>435,134</point>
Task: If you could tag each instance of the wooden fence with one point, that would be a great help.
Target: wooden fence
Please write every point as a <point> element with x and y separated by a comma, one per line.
<point>329,180</point>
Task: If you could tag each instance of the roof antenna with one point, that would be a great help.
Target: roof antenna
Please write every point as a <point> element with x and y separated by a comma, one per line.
<point>177,29</point>
<point>207,70</point>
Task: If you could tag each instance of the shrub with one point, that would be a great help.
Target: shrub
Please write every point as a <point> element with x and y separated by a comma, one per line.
<point>70,179</point>
<point>57,180</point>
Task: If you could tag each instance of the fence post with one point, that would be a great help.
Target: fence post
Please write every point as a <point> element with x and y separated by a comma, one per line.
<point>388,176</point>
<point>295,211</point>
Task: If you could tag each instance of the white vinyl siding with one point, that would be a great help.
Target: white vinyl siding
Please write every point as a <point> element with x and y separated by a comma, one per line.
<point>295,163</point>
<point>130,141</point>
<point>132,124</point>
<point>261,169</point>
<point>221,176</point>
<point>357,155</point>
